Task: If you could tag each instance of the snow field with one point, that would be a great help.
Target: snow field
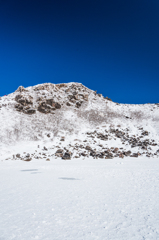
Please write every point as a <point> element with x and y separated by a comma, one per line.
<point>86,199</point>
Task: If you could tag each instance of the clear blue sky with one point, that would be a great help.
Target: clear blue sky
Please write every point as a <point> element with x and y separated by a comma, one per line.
<point>109,46</point>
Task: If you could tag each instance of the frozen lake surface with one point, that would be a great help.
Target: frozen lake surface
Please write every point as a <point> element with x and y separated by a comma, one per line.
<point>87,199</point>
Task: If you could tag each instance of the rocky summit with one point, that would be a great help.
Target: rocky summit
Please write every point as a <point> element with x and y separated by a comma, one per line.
<point>69,121</point>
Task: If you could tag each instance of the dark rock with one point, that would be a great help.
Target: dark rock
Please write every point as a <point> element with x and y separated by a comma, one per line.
<point>93,153</point>
<point>50,102</point>
<point>59,151</point>
<point>44,108</point>
<point>102,136</point>
<point>68,104</point>
<point>57,105</point>
<point>109,99</point>
<point>127,153</point>
<point>21,89</point>
<point>39,99</point>
<point>121,155</point>
<point>88,148</point>
<point>145,133</point>
<point>23,100</point>
<point>27,159</point>
<point>83,154</point>
<point>66,156</point>
<point>17,97</point>
<point>109,156</point>
<point>115,150</point>
<point>30,111</point>
<point>78,104</point>
<point>19,107</point>
<point>18,155</point>
<point>134,155</point>
<point>153,144</point>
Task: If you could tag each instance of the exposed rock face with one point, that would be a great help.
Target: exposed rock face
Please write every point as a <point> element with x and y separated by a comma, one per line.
<point>24,103</point>
<point>48,97</point>
<point>45,108</point>
<point>21,89</point>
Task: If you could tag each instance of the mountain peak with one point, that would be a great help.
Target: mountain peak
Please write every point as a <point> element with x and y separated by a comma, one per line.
<point>75,118</point>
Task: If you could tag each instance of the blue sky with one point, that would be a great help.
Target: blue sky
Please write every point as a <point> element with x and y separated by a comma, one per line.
<point>109,46</point>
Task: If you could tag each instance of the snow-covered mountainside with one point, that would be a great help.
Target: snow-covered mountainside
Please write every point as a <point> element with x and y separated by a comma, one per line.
<point>69,121</point>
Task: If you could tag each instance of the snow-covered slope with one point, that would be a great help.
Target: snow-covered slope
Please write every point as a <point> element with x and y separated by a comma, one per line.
<point>94,199</point>
<point>76,121</point>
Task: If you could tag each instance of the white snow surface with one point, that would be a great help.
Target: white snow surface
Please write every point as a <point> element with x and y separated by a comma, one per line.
<point>86,199</point>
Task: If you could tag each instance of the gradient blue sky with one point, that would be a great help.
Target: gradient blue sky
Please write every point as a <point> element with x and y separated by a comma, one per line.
<point>109,46</point>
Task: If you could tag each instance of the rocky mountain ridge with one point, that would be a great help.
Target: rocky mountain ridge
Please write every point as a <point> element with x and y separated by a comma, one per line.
<point>69,121</point>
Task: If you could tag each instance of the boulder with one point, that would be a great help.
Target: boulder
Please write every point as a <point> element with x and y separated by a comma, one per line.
<point>83,154</point>
<point>121,155</point>
<point>17,97</point>
<point>78,104</point>
<point>57,105</point>
<point>62,139</point>
<point>30,111</point>
<point>27,159</point>
<point>67,156</point>
<point>59,151</point>
<point>127,153</point>
<point>145,133</point>
<point>134,155</point>
<point>93,153</point>
<point>88,148</point>
<point>19,107</point>
<point>109,156</point>
<point>68,104</point>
